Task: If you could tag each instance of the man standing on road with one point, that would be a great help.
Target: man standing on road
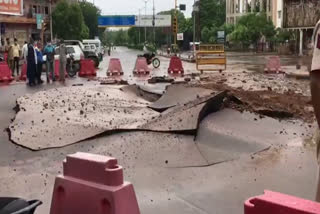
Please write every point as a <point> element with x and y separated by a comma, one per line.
<point>315,87</point>
<point>49,52</point>
<point>63,60</point>
<point>10,55</point>
<point>16,57</point>
<point>25,51</point>
<point>31,63</point>
<point>39,65</point>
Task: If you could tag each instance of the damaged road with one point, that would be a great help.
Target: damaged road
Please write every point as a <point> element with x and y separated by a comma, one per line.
<point>57,118</point>
<point>225,151</point>
<point>60,117</point>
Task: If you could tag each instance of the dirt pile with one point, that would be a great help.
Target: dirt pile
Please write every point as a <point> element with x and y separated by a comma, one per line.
<point>269,103</point>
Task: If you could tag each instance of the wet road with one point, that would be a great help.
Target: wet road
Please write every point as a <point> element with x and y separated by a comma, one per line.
<point>128,59</point>
<point>149,161</point>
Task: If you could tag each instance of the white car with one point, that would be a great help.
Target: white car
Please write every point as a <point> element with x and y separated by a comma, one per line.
<point>97,44</point>
<point>75,50</point>
<point>90,48</point>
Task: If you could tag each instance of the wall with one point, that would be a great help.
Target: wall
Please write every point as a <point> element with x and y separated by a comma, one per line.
<point>238,8</point>
<point>23,27</point>
<point>301,13</point>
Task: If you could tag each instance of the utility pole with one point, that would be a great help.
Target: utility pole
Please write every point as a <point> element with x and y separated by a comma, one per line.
<point>176,17</point>
<point>145,27</point>
<point>139,26</point>
<point>195,10</point>
<point>50,16</point>
<point>154,23</point>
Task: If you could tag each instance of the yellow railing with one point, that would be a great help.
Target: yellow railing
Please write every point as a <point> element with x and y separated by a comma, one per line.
<point>212,48</point>
<point>211,58</point>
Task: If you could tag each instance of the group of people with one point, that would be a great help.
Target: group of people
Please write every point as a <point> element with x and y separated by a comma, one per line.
<point>32,55</point>
<point>13,54</point>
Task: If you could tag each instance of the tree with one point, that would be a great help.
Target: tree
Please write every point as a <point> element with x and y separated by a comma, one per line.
<point>212,13</point>
<point>68,22</point>
<point>90,14</point>
<point>283,35</point>
<point>250,28</point>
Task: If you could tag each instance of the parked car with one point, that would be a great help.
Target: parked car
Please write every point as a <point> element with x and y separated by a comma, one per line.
<point>88,54</point>
<point>97,44</point>
<point>73,50</point>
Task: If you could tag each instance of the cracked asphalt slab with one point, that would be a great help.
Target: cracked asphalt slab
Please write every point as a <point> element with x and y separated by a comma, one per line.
<point>170,172</point>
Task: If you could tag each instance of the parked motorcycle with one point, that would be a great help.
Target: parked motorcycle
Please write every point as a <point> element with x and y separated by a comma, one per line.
<point>18,206</point>
<point>1,58</point>
<point>72,67</point>
<point>151,58</point>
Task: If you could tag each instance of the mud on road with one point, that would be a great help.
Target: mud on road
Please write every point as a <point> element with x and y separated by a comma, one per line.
<point>272,96</point>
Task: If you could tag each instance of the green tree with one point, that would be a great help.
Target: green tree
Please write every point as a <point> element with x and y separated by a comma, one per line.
<point>250,28</point>
<point>283,35</point>
<point>90,14</point>
<point>212,13</point>
<point>68,22</point>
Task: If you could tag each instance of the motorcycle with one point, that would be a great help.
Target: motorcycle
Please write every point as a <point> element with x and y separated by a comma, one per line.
<point>18,206</point>
<point>72,67</point>
<point>151,58</point>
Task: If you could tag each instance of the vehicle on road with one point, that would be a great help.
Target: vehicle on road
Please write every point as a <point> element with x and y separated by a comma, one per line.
<point>72,66</point>
<point>1,58</point>
<point>92,48</point>
<point>97,44</point>
<point>151,58</point>
<point>73,51</point>
<point>88,54</point>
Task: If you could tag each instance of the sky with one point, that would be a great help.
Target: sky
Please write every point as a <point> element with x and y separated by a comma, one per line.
<point>131,7</point>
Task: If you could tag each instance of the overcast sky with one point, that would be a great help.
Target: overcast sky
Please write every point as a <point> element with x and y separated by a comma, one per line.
<point>131,7</point>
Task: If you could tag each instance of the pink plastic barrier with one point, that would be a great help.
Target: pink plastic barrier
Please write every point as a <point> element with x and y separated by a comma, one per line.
<point>273,65</point>
<point>175,66</point>
<point>277,203</point>
<point>87,68</point>
<point>115,68</point>
<point>56,70</point>
<point>92,184</point>
<point>141,67</point>
<point>5,73</point>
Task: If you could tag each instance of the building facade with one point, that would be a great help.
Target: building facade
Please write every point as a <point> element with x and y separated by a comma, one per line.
<point>237,8</point>
<point>23,25</point>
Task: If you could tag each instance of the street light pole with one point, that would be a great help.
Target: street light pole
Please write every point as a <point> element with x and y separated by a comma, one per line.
<point>154,23</point>
<point>176,17</point>
<point>145,27</point>
<point>194,27</point>
<point>50,12</point>
<point>139,26</point>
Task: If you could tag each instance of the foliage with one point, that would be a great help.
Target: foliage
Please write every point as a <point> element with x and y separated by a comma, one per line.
<point>68,21</point>
<point>133,35</point>
<point>209,35</point>
<point>90,14</point>
<point>118,38</point>
<point>212,13</point>
<point>250,28</point>
<point>283,35</point>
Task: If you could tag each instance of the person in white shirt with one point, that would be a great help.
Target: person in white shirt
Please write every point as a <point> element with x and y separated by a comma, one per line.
<point>25,51</point>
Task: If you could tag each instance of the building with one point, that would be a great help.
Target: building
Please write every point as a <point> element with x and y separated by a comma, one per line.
<point>301,17</point>
<point>237,8</point>
<point>22,19</point>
